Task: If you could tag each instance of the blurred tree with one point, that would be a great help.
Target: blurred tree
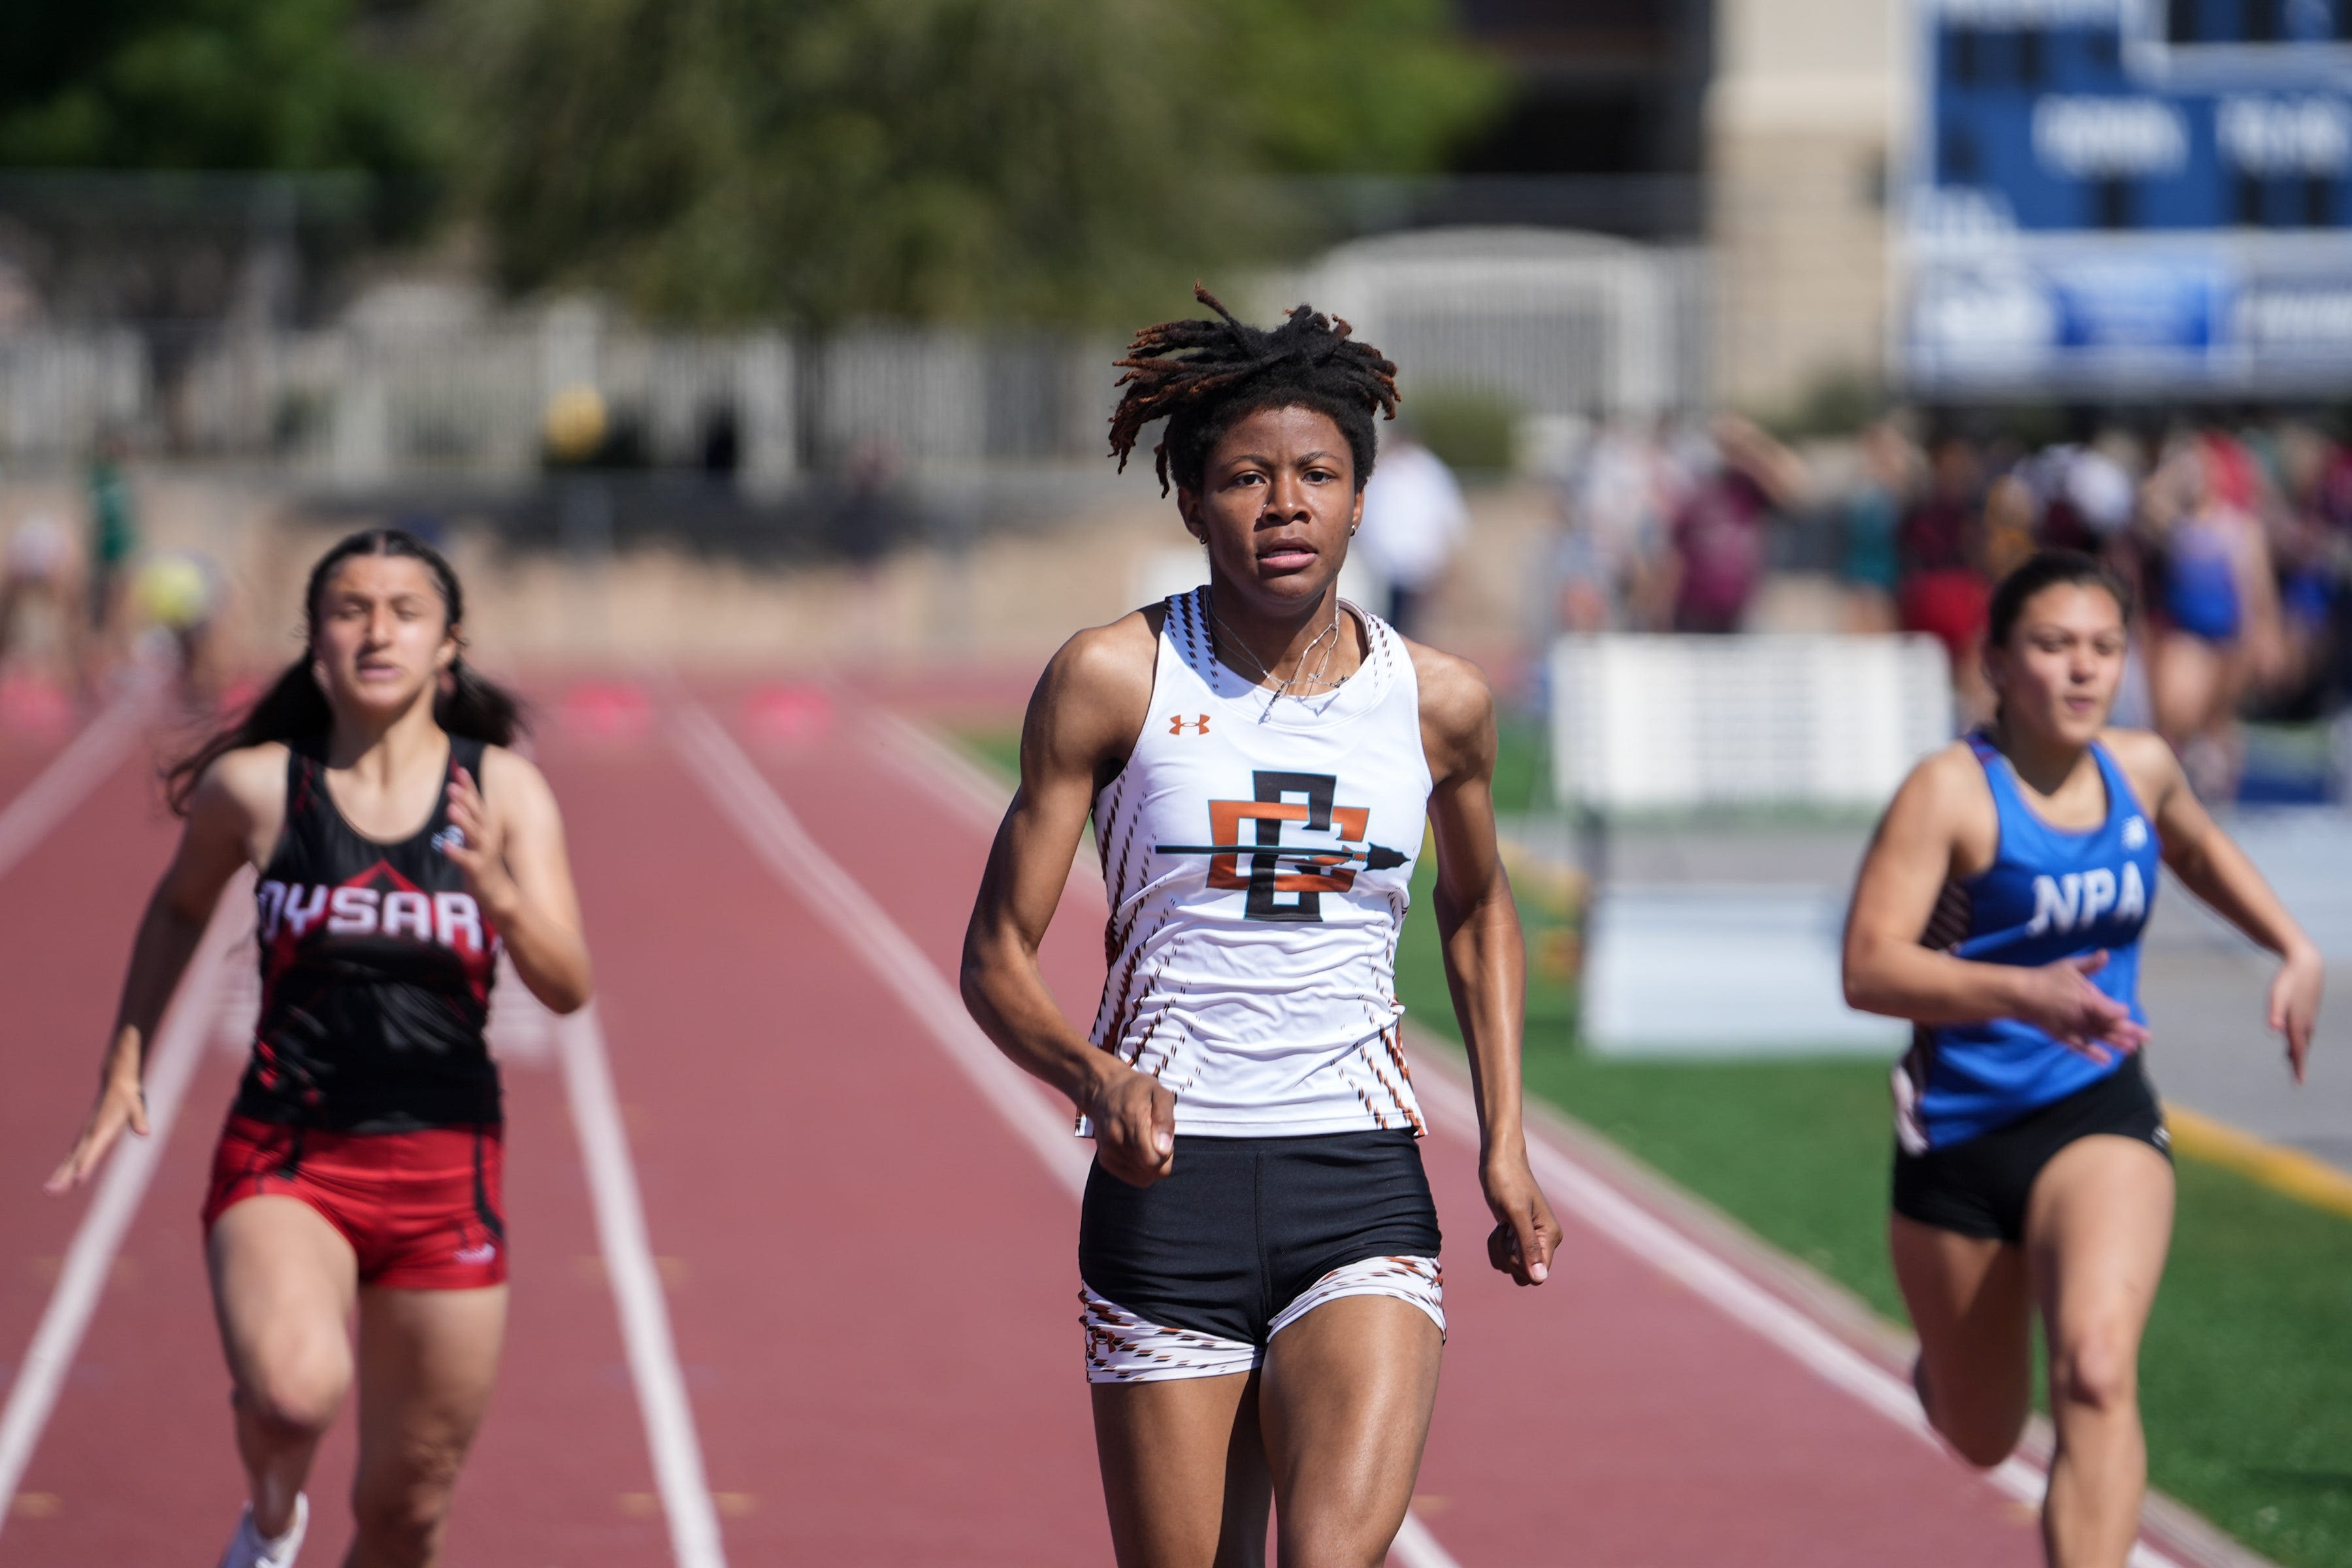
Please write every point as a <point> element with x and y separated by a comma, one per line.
<point>207,84</point>
<point>827,159</point>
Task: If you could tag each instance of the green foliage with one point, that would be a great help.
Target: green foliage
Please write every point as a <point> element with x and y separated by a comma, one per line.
<point>206,84</point>
<point>1471,430</point>
<point>1347,87</point>
<point>938,158</point>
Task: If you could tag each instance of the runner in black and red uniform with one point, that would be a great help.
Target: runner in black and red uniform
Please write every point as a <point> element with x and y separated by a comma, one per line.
<point>401,849</point>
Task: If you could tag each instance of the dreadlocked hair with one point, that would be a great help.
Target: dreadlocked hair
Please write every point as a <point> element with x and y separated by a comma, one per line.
<point>1203,376</point>
<point>294,709</point>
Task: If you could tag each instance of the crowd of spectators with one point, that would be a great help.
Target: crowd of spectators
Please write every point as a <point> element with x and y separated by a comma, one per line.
<point>2236,537</point>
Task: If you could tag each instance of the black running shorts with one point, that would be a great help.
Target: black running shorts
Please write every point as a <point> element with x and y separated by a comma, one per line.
<point>1243,1226</point>
<point>1979,1187</point>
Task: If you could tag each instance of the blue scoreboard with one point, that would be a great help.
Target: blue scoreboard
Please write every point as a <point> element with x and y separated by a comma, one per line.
<point>2129,197</point>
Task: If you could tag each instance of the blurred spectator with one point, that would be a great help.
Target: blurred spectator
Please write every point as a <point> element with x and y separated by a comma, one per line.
<point>113,540</point>
<point>178,595</point>
<point>1868,523</point>
<point>2309,546</point>
<point>1943,590</point>
<point>38,579</point>
<point>1609,561</point>
<point>1415,518</point>
<point>2214,608</point>
<point>1719,532</point>
<point>2010,516</point>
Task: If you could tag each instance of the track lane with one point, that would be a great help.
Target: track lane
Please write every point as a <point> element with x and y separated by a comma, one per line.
<point>136,1463</point>
<point>863,1288</point>
<point>1655,1431</point>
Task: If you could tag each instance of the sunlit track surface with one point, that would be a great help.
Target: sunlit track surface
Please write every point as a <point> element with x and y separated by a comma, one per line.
<point>65,779</point>
<point>868,1277</point>
<point>134,1462</point>
<point>868,1274</point>
<point>1618,1459</point>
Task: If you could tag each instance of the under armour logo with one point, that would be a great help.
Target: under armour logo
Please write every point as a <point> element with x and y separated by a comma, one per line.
<point>2136,833</point>
<point>1177,724</point>
<point>450,837</point>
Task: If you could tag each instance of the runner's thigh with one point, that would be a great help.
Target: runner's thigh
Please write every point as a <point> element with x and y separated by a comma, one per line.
<point>427,1362</point>
<point>1183,1471</point>
<point>283,1283</point>
<point>2097,1228</point>
<point>1971,1306</point>
<point>1347,1392</point>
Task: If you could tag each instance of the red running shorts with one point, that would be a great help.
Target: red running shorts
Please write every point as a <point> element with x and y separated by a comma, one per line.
<point>422,1210</point>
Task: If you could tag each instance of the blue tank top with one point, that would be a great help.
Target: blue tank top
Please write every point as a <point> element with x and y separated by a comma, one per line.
<point>2048,894</point>
<point>2200,582</point>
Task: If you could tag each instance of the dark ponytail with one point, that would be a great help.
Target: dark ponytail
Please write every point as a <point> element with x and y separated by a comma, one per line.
<point>294,709</point>
<point>2048,569</point>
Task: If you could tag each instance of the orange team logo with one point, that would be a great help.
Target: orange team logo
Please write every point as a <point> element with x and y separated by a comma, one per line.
<point>1178,723</point>
<point>1320,868</point>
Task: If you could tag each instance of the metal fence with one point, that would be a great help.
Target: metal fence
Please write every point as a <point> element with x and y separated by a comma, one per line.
<point>409,389</point>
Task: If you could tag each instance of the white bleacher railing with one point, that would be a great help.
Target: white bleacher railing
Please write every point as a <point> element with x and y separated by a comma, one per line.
<point>1647,723</point>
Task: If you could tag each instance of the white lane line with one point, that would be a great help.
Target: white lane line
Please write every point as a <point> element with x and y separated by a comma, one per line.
<point>836,897</point>
<point>59,787</point>
<point>628,1252</point>
<point>178,1047</point>
<point>978,794</point>
<point>906,971</point>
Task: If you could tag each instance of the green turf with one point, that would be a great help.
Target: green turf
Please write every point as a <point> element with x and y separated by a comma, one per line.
<point>1000,749</point>
<point>2246,1378</point>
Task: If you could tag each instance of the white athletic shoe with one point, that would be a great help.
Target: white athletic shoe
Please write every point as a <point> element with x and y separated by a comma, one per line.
<point>247,1548</point>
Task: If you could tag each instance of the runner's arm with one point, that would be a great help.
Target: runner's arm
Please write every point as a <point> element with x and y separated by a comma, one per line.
<point>1887,968</point>
<point>516,865</point>
<point>2210,865</point>
<point>1485,953</point>
<point>231,804</point>
<point>1083,719</point>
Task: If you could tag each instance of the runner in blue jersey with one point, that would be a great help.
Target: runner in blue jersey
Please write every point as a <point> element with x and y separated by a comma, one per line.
<point>2001,909</point>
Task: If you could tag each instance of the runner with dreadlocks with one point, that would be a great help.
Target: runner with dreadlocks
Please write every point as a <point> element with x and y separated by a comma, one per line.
<point>1258,1249</point>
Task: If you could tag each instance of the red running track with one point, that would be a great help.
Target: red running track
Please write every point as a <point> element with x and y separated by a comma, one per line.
<point>870,1276</point>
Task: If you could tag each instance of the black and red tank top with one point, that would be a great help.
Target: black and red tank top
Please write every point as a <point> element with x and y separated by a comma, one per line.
<point>376,966</point>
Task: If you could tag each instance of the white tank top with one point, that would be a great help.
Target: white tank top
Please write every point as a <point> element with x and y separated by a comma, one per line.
<point>1259,853</point>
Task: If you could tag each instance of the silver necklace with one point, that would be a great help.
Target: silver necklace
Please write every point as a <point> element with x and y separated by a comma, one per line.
<point>1299,677</point>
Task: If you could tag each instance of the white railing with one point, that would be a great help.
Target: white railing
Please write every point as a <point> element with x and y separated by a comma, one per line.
<point>1646,723</point>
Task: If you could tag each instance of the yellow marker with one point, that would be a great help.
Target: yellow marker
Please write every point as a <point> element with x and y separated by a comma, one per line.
<point>576,422</point>
<point>2290,1172</point>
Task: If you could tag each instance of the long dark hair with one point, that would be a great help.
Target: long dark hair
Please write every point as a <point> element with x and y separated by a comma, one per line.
<point>294,709</point>
<point>2048,569</point>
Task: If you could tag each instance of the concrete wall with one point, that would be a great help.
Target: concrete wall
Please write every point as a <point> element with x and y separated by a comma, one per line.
<point>1009,599</point>
<point>1802,121</point>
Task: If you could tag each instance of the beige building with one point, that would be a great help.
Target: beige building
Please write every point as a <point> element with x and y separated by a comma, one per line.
<point>1804,117</point>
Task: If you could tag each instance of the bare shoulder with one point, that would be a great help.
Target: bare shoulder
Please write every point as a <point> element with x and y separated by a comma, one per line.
<point>1457,710</point>
<point>504,768</point>
<point>1092,698</point>
<point>239,806</point>
<point>247,784</point>
<point>2146,758</point>
<point>1107,662</point>
<point>1944,786</point>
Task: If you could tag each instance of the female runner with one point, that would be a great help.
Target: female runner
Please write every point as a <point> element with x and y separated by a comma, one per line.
<point>1258,1249</point>
<point>2001,909</point>
<point>401,847</point>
